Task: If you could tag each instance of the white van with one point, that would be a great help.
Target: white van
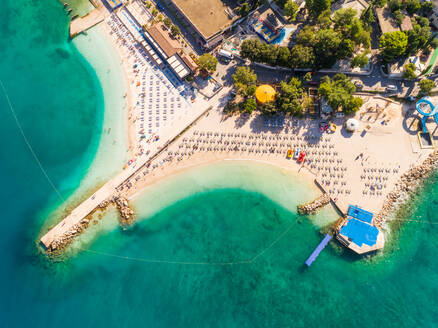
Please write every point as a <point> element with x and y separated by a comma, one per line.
<point>226,55</point>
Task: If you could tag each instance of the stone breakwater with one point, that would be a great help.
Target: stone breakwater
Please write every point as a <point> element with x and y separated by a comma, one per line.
<point>407,184</point>
<point>60,243</point>
<point>312,207</point>
<point>126,212</point>
<point>127,217</point>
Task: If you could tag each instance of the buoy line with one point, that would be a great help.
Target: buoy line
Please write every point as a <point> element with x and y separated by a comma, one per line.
<point>29,146</point>
<point>146,260</point>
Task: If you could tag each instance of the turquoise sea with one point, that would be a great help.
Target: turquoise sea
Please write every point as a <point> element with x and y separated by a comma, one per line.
<point>217,246</point>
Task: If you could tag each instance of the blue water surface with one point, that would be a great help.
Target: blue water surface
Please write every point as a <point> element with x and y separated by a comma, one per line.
<point>58,101</point>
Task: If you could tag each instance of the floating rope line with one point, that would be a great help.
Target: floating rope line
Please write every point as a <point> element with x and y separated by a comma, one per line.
<point>28,143</point>
<point>412,220</point>
<point>145,260</point>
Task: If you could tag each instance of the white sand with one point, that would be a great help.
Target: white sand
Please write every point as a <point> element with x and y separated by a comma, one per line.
<point>388,151</point>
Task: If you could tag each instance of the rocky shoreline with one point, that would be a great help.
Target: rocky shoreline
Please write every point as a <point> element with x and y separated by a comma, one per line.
<point>408,183</point>
<point>127,217</point>
<point>58,245</point>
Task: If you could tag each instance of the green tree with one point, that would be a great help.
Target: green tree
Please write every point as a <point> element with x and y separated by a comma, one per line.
<point>423,21</point>
<point>426,86</point>
<point>168,22</point>
<point>306,37</point>
<point>288,99</point>
<point>409,72</point>
<point>434,43</point>
<point>283,56</point>
<point>398,16</point>
<point>379,3</point>
<point>268,108</point>
<point>307,77</point>
<point>245,80</point>
<point>344,18</point>
<point>367,17</point>
<point>291,9</point>
<point>345,49</point>
<point>395,5</point>
<point>352,104</point>
<point>207,62</point>
<point>316,7</point>
<point>346,22</point>
<point>412,6</point>
<point>154,12</point>
<point>249,49</point>
<point>250,105</point>
<point>339,93</point>
<point>324,20</point>
<point>280,3</point>
<point>174,29</point>
<point>148,4</point>
<point>360,60</point>
<point>302,57</point>
<point>244,9</point>
<point>426,7</point>
<point>326,47</point>
<point>393,45</point>
<point>418,38</point>
<point>255,50</point>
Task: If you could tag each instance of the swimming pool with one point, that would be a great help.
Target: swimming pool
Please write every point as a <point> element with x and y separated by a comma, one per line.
<point>283,35</point>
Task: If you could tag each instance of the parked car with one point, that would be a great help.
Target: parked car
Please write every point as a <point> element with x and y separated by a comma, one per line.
<point>289,153</point>
<point>358,85</point>
<point>391,88</point>
<point>339,115</point>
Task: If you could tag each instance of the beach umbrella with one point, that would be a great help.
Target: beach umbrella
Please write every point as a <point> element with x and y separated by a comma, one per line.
<point>352,125</point>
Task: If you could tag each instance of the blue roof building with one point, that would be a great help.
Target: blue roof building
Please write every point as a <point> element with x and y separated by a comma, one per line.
<point>358,233</point>
<point>114,4</point>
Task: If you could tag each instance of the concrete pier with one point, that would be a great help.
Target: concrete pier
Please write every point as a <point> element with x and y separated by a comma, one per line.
<point>82,24</point>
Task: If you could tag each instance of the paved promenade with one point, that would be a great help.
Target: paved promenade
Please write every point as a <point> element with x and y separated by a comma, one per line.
<point>82,24</point>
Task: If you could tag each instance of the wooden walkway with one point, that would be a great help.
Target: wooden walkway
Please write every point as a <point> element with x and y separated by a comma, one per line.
<point>82,24</point>
<point>337,204</point>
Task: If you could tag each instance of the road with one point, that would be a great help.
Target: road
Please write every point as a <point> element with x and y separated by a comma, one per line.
<point>376,80</point>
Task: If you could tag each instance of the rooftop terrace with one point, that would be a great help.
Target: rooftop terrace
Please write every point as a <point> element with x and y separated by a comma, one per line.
<point>208,16</point>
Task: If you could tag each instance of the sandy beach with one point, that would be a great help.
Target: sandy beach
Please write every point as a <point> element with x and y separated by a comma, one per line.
<point>358,168</point>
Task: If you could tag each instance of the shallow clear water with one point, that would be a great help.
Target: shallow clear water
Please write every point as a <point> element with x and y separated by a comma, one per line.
<point>59,102</point>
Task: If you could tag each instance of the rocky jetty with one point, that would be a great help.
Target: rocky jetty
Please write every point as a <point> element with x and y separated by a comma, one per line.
<point>67,238</point>
<point>126,212</point>
<point>126,218</point>
<point>312,207</point>
<point>407,184</point>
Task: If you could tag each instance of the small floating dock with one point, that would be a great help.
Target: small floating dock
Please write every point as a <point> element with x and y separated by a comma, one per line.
<point>318,250</point>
